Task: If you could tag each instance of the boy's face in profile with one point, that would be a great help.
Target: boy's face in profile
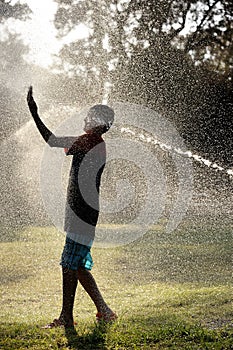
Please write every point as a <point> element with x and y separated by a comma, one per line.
<point>91,123</point>
<point>99,119</point>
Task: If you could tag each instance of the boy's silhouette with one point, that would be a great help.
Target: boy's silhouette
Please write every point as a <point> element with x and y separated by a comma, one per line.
<point>82,207</point>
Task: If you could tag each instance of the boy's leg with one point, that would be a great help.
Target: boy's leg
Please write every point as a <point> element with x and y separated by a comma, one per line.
<point>70,281</point>
<point>88,282</point>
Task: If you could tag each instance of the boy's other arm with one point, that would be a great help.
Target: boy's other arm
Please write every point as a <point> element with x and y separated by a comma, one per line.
<point>48,136</point>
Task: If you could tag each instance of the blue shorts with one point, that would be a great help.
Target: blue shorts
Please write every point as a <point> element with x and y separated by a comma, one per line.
<point>76,255</point>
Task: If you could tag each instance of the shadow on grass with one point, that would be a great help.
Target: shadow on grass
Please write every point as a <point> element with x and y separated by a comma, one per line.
<point>23,336</point>
<point>95,337</point>
<point>130,333</point>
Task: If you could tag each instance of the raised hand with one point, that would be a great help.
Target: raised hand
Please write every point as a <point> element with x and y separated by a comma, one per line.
<point>48,136</point>
<point>31,103</point>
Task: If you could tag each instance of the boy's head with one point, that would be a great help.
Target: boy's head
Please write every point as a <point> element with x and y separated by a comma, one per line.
<point>99,119</point>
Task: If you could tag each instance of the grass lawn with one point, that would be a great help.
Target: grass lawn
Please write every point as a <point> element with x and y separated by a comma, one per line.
<point>169,291</point>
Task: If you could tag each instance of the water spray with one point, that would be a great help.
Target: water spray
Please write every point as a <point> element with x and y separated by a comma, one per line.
<point>188,154</point>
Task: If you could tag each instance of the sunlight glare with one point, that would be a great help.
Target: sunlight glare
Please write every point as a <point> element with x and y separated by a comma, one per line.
<point>39,32</point>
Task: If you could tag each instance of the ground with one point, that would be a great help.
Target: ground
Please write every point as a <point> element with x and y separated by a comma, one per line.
<point>170,291</point>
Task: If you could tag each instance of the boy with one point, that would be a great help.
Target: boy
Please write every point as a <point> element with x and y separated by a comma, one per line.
<point>82,207</point>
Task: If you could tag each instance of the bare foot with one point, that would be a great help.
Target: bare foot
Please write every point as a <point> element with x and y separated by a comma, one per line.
<point>106,317</point>
<point>59,323</point>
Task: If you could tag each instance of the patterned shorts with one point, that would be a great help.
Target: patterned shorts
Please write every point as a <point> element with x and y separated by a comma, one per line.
<point>76,255</point>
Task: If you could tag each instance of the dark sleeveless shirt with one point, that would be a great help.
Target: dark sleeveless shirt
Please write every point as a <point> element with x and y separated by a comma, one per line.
<point>82,204</point>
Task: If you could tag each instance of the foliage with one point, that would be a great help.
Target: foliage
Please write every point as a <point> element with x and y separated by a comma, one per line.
<point>18,10</point>
<point>211,41</point>
<point>12,50</point>
<point>174,56</point>
<point>118,29</point>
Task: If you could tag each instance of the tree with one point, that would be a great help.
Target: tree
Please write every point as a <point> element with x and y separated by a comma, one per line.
<point>211,41</point>
<point>203,29</point>
<point>11,53</point>
<point>174,56</point>
<point>18,10</point>
<point>12,114</point>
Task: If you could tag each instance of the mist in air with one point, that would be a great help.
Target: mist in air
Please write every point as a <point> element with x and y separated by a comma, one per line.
<point>171,84</point>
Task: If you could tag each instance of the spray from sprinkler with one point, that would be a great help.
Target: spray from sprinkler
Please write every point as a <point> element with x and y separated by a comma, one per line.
<point>143,137</point>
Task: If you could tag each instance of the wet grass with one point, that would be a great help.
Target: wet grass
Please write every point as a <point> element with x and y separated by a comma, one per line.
<point>170,292</point>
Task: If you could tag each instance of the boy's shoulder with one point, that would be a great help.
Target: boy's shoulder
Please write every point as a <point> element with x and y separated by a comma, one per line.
<point>84,143</point>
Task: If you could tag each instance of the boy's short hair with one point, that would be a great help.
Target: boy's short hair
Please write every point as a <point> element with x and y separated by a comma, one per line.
<point>102,114</point>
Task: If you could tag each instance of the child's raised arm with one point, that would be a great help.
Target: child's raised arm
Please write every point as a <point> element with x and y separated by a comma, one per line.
<point>48,136</point>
